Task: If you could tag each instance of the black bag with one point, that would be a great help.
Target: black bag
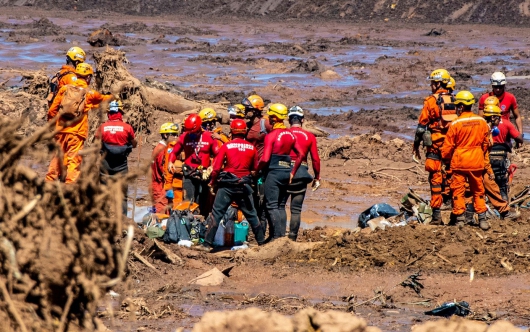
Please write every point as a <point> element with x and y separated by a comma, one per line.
<point>377,210</point>
<point>178,227</point>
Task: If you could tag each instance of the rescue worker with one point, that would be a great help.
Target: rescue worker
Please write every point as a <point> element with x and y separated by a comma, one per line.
<point>117,141</point>
<point>507,101</point>
<point>492,115</point>
<point>437,113</point>
<point>72,133</point>
<point>199,147</point>
<point>306,144</point>
<point>276,162</point>
<point>502,133</point>
<point>465,150</point>
<point>258,128</point>
<point>209,123</point>
<point>168,132</point>
<point>233,181</point>
<point>74,56</point>
<point>173,181</point>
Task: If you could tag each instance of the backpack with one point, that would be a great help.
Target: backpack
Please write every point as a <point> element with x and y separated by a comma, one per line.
<point>73,102</point>
<point>447,107</point>
<point>53,87</point>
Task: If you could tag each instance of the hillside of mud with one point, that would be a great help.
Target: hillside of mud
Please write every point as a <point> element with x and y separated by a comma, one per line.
<point>514,12</point>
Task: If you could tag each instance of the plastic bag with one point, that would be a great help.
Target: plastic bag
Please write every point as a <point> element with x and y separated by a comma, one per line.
<point>450,308</point>
<point>377,210</point>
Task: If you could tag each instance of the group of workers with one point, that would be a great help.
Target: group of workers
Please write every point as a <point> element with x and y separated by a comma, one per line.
<point>466,153</point>
<point>261,162</point>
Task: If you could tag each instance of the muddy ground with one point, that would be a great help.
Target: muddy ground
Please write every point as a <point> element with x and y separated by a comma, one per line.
<point>364,84</point>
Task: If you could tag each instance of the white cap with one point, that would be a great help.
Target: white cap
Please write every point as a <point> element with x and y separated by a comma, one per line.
<point>498,78</point>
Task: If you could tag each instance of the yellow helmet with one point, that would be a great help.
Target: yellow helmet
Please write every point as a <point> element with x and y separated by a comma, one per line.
<point>440,75</point>
<point>492,110</point>
<point>491,100</point>
<point>84,69</point>
<point>464,97</point>
<point>452,84</point>
<point>237,110</point>
<point>76,54</point>
<point>207,115</point>
<point>278,110</point>
<point>169,128</point>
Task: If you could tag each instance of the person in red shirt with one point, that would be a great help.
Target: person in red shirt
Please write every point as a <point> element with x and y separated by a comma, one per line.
<point>199,147</point>
<point>276,164</point>
<point>258,128</point>
<point>507,101</point>
<point>233,181</point>
<point>117,141</point>
<point>74,56</point>
<point>168,132</point>
<point>306,144</point>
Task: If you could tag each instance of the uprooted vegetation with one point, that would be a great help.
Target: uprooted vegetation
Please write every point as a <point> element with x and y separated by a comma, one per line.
<point>60,244</point>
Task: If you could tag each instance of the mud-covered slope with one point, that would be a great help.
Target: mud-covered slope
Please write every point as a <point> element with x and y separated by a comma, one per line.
<point>512,12</point>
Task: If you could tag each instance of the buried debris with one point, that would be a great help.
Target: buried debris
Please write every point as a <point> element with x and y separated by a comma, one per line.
<point>413,281</point>
<point>378,210</point>
<point>449,309</point>
<point>214,277</point>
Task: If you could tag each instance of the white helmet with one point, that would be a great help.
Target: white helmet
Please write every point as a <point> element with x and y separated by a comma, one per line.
<point>296,110</point>
<point>498,78</point>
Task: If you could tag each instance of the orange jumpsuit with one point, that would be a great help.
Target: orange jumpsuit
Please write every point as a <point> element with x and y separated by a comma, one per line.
<point>158,194</point>
<point>430,115</point>
<point>173,181</point>
<point>466,145</point>
<point>71,138</point>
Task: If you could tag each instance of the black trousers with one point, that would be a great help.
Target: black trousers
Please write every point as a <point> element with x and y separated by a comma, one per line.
<point>197,191</point>
<point>106,173</point>
<point>243,198</point>
<point>297,193</point>
<point>275,191</point>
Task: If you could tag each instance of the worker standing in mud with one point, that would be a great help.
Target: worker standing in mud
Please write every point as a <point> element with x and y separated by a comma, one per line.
<point>306,144</point>
<point>117,141</point>
<point>231,176</point>
<point>72,130</point>
<point>507,101</point>
<point>209,123</point>
<point>258,128</point>
<point>74,56</point>
<point>276,164</point>
<point>436,116</point>
<point>199,148</point>
<point>173,181</point>
<point>465,150</point>
<point>168,132</point>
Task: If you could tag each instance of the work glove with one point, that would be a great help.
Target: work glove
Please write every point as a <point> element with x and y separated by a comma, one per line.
<point>171,167</point>
<point>212,188</point>
<point>206,173</point>
<point>170,194</point>
<point>315,185</point>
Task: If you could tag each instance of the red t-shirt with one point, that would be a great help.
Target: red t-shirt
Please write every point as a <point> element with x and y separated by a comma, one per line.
<point>279,142</point>
<point>115,131</point>
<point>306,143</point>
<point>507,103</point>
<point>238,156</point>
<point>198,148</point>
<point>507,132</point>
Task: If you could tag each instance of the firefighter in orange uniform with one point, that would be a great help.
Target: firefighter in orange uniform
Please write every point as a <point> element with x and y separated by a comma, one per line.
<point>173,181</point>
<point>73,133</point>
<point>436,116</point>
<point>465,149</point>
<point>74,56</point>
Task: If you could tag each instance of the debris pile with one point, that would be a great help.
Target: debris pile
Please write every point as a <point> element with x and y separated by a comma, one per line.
<point>58,243</point>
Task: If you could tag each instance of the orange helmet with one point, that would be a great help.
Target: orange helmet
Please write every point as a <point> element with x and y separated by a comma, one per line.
<point>238,126</point>
<point>193,123</point>
<point>254,101</point>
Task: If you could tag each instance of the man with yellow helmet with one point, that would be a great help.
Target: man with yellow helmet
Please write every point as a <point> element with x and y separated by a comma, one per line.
<point>465,150</point>
<point>72,132</point>
<point>117,141</point>
<point>74,56</point>
<point>436,116</point>
<point>276,163</point>
<point>168,132</point>
<point>209,123</point>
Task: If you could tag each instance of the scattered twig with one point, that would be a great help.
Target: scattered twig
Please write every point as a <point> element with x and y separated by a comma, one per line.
<point>173,258</point>
<point>11,307</point>
<point>66,308</point>
<point>444,259</point>
<point>143,260</point>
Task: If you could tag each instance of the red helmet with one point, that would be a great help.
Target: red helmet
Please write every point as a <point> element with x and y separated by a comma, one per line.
<point>238,126</point>
<point>193,123</point>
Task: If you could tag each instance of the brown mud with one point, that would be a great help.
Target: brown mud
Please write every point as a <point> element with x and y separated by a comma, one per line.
<point>363,83</point>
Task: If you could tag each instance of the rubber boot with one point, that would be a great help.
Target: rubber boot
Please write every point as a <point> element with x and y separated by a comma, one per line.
<point>259,234</point>
<point>276,224</point>
<point>460,220</point>
<point>292,236</point>
<point>204,247</point>
<point>510,215</point>
<point>483,221</point>
<point>470,215</point>
<point>436,217</point>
